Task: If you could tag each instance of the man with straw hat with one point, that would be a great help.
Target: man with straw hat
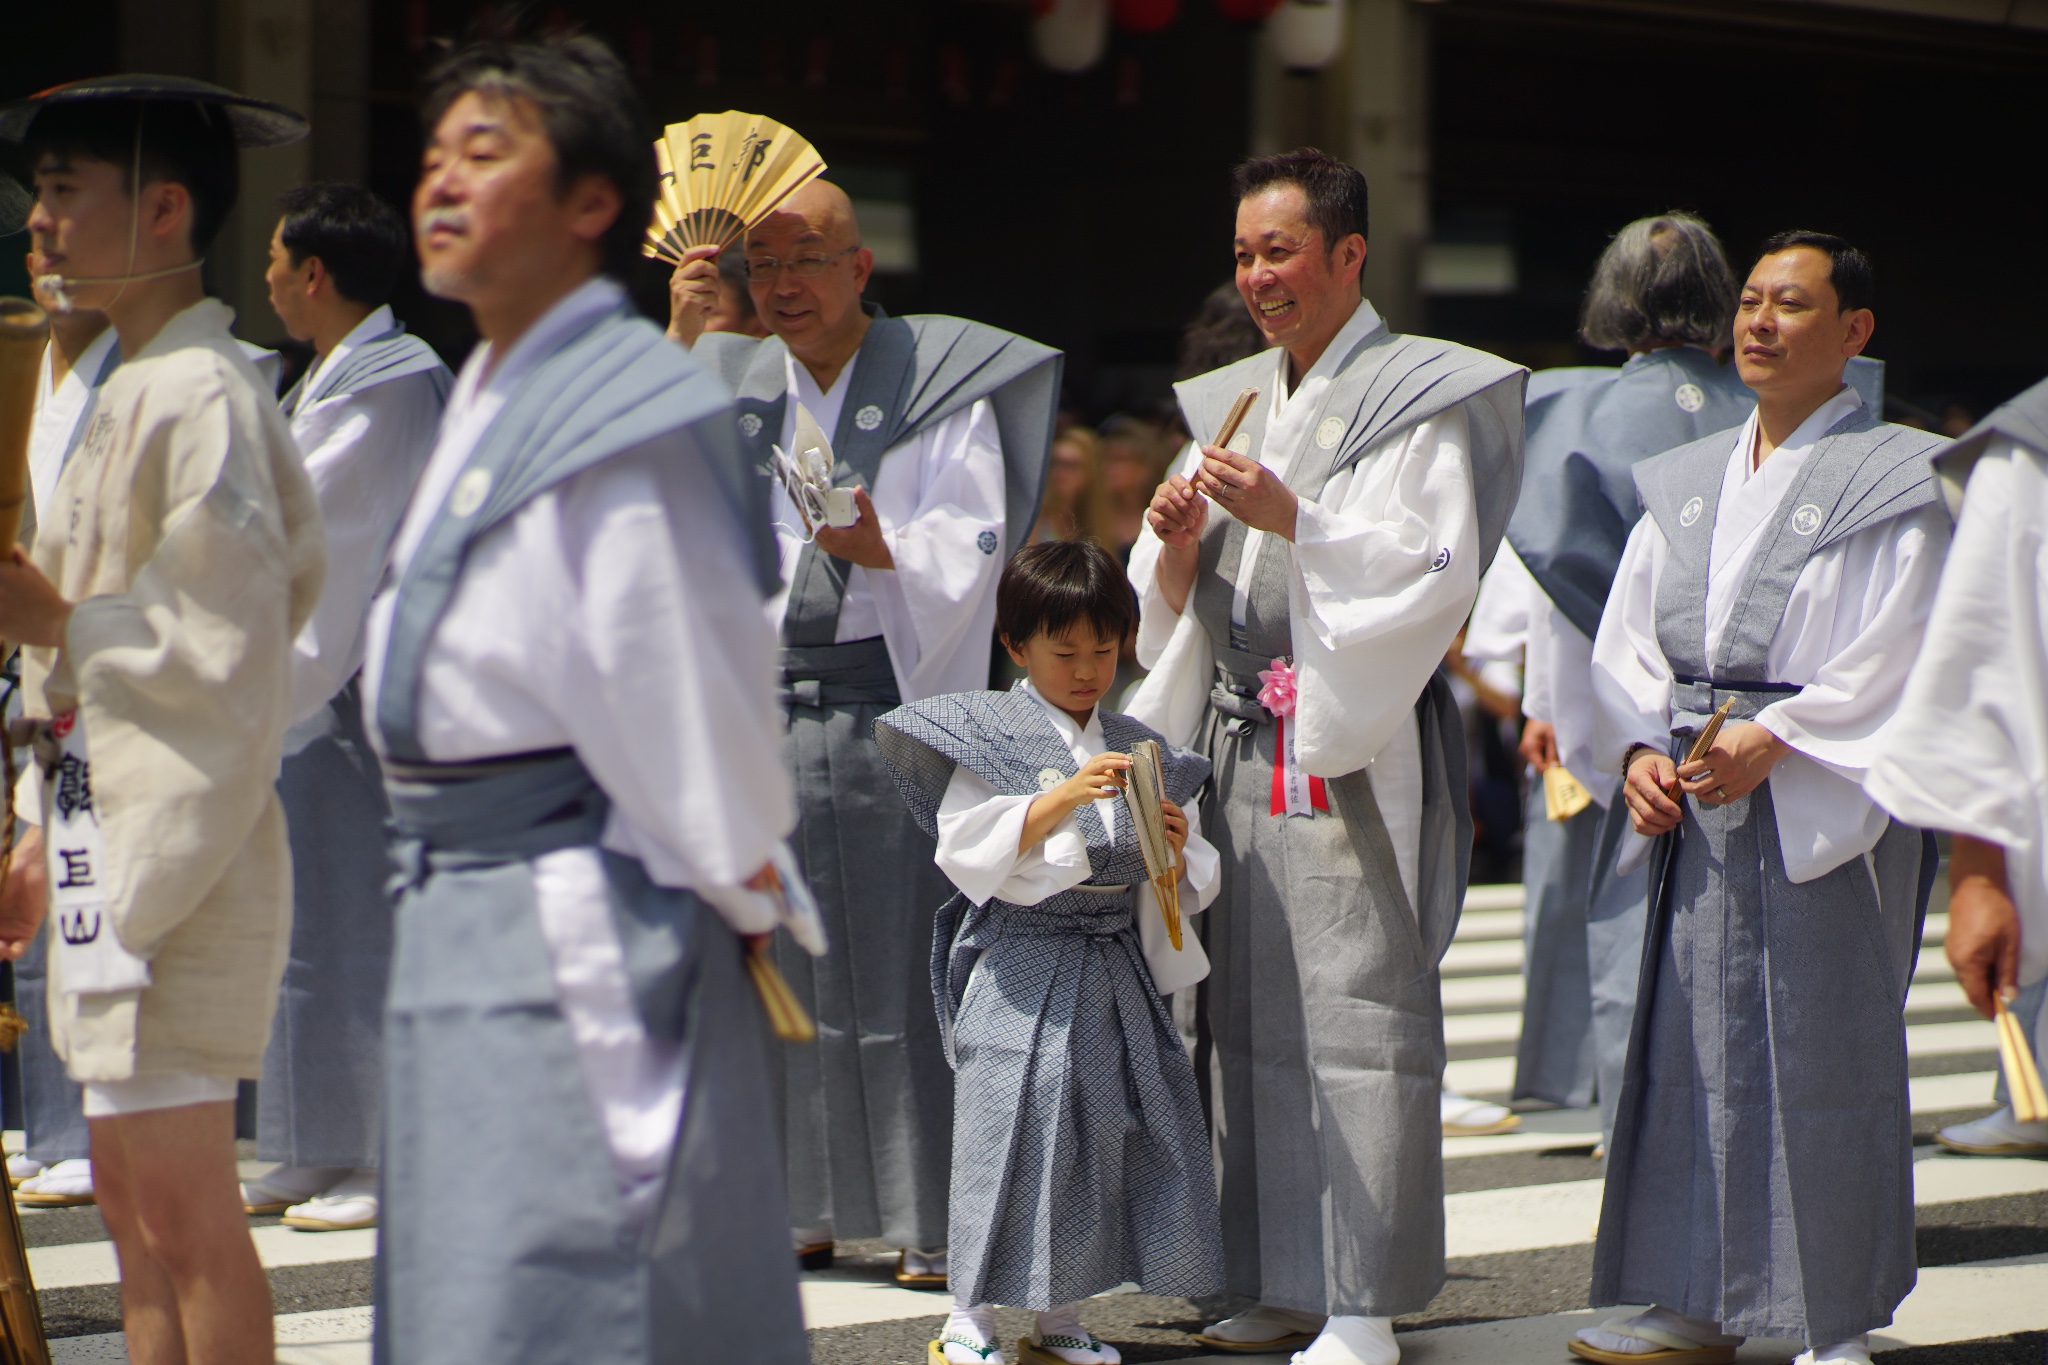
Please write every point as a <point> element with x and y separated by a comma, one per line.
<point>942,426</point>
<point>1747,672</point>
<point>568,681</point>
<point>180,551</point>
<point>1969,750</point>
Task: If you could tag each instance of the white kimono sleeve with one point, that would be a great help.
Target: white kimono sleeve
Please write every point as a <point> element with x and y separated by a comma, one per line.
<point>1631,680</point>
<point>945,529</point>
<point>364,452</point>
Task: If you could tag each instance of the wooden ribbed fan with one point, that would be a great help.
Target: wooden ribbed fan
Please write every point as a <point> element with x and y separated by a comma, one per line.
<point>720,175</point>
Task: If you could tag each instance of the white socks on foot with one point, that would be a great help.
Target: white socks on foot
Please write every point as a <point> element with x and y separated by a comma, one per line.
<point>969,1336</point>
<point>1264,1323</point>
<point>1058,1332</point>
<point>1352,1341</point>
<point>1655,1329</point>
<point>1854,1351</point>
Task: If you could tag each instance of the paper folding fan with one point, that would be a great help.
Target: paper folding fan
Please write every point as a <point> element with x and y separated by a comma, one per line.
<point>2022,1077</point>
<point>720,175</point>
<point>1145,794</point>
<point>1563,795</point>
<point>1709,732</point>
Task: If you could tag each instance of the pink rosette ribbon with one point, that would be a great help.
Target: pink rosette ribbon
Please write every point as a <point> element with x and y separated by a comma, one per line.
<point>1294,793</point>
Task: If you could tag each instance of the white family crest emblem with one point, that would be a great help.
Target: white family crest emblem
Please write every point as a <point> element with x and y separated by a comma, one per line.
<point>1048,779</point>
<point>1241,443</point>
<point>469,493</point>
<point>750,424</point>
<point>986,542</point>
<point>1689,397</point>
<point>1690,513</point>
<point>1330,432</point>
<point>868,418</point>
<point>1806,519</point>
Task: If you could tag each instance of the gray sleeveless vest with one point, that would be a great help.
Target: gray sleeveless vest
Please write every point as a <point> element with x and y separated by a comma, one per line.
<point>913,373</point>
<point>387,356</point>
<point>1862,473</point>
<point>1387,384</point>
<point>2023,420</point>
<point>614,386</point>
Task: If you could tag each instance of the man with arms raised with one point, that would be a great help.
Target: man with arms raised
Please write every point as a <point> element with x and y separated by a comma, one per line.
<point>943,427</point>
<point>364,416</point>
<point>1969,750</point>
<point>1334,546</point>
<point>568,681</point>
<point>178,555</point>
<point>1760,1178</point>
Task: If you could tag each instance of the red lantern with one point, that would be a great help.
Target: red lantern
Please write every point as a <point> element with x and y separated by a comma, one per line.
<point>1247,11</point>
<point>1145,16</point>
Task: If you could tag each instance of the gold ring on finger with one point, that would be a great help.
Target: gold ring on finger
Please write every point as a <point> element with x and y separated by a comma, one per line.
<point>1721,792</point>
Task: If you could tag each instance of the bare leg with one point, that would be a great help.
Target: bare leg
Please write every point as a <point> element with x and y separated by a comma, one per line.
<point>191,1286</point>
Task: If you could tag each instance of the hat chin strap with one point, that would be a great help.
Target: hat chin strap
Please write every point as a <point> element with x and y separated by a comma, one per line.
<point>60,287</point>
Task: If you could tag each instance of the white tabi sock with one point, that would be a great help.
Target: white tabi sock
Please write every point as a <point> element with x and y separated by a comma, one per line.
<point>1854,1351</point>
<point>799,1238</point>
<point>1058,1332</point>
<point>1613,1334</point>
<point>1265,1323</point>
<point>917,1262</point>
<point>969,1336</point>
<point>1348,1340</point>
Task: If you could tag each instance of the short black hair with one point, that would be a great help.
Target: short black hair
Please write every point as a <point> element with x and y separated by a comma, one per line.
<point>1055,583</point>
<point>1848,269</point>
<point>179,142</point>
<point>1335,190</point>
<point>592,114</point>
<point>358,237</point>
<point>1660,279</point>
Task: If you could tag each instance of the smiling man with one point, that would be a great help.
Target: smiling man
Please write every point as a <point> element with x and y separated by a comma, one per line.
<point>1299,587</point>
<point>568,679</point>
<point>1760,1178</point>
<point>943,425</point>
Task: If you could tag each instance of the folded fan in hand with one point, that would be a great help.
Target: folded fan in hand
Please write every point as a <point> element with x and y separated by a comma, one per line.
<point>1563,795</point>
<point>806,472</point>
<point>1145,794</point>
<point>720,175</point>
<point>2022,1077</point>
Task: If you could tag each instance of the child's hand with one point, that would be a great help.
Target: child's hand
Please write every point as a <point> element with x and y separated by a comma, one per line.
<point>1101,777</point>
<point>1177,835</point>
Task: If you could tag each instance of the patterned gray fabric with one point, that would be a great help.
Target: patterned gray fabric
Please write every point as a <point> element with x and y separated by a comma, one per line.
<point>320,1099</point>
<point>1323,998</point>
<point>1080,1160</point>
<point>1617,907</point>
<point>1761,1168</point>
<point>381,359</point>
<point>2024,420</point>
<point>484,1096</point>
<point>913,373</point>
<point>868,1109</point>
<point>612,387</point>
<point>1554,1056</point>
<point>1578,500</point>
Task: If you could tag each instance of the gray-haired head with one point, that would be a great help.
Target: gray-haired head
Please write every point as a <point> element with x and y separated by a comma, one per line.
<point>1661,280</point>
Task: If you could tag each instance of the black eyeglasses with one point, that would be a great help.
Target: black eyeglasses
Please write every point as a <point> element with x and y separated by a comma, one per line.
<point>803,267</point>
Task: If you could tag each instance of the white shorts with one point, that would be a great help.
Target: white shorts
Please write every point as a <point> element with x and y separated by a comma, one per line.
<point>169,1090</point>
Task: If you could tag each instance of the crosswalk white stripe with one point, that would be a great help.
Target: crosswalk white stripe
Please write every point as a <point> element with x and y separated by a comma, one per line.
<point>335,1336</point>
<point>82,1263</point>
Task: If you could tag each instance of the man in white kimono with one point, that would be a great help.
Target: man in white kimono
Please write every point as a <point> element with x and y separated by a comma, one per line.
<point>55,1169</point>
<point>1968,751</point>
<point>1299,588</point>
<point>180,551</point>
<point>1760,1177</point>
<point>364,417</point>
<point>570,686</point>
<point>942,426</point>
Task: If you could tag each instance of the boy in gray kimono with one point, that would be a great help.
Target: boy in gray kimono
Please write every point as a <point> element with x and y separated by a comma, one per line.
<point>1080,1160</point>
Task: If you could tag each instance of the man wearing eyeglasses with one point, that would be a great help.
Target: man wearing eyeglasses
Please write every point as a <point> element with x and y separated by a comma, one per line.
<point>941,426</point>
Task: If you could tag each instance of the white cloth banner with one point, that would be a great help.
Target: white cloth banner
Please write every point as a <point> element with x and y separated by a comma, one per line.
<point>92,960</point>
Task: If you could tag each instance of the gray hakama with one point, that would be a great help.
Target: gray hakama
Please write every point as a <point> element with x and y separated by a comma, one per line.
<point>868,1109</point>
<point>1080,1159</point>
<point>1586,431</point>
<point>1323,1001</point>
<point>1554,1056</point>
<point>504,1234</point>
<point>320,1098</point>
<point>1761,1170</point>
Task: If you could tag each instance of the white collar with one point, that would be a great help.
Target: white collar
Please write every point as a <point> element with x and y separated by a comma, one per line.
<point>1804,437</point>
<point>1356,328</point>
<point>377,323</point>
<point>85,370</point>
<point>574,310</point>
